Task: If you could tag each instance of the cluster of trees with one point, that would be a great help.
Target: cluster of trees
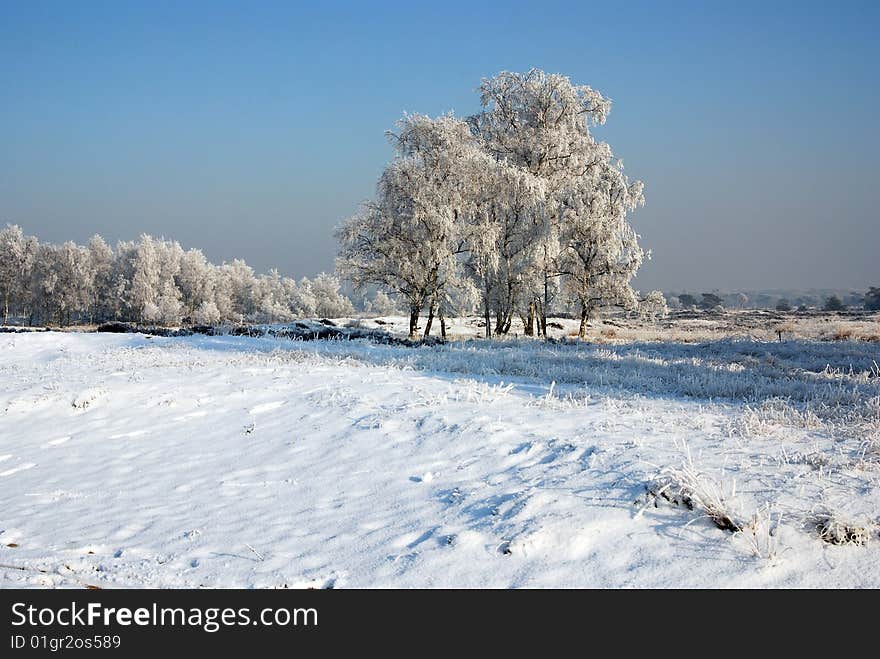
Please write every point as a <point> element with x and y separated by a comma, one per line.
<point>872,299</point>
<point>833,303</point>
<point>514,211</point>
<point>149,280</point>
<point>707,301</point>
<point>712,300</point>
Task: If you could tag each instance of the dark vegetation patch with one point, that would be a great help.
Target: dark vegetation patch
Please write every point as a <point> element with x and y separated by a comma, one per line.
<point>836,531</point>
<point>298,331</point>
<point>23,330</point>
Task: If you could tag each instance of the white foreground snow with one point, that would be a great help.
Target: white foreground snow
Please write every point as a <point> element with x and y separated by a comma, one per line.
<point>241,462</point>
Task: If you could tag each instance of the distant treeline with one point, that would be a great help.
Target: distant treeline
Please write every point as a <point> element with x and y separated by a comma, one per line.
<point>828,300</point>
<point>151,280</point>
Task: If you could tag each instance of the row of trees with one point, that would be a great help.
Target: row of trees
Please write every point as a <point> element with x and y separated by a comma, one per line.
<point>829,301</point>
<point>870,301</point>
<point>149,280</point>
<point>832,303</point>
<point>513,211</point>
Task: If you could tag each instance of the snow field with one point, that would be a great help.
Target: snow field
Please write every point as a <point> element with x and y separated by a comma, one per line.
<point>243,462</point>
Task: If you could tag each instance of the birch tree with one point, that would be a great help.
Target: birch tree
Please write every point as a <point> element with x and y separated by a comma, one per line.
<point>153,280</point>
<point>541,123</point>
<point>16,257</point>
<point>101,260</point>
<point>408,239</point>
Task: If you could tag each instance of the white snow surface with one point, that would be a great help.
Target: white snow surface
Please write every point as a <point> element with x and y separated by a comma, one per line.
<point>129,461</point>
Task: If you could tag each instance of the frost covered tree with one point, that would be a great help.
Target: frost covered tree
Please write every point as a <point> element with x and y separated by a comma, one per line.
<point>152,280</point>
<point>653,305</point>
<point>301,297</point>
<point>207,313</point>
<point>72,268</point>
<point>237,282</point>
<point>381,305</point>
<point>101,292</point>
<point>541,122</point>
<point>195,280</point>
<point>601,253</point>
<point>329,300</point>
<point>16,258</point>
<point>378,249</point>
<point>408,238</point>
<point>505,239</point>
<point>270,299</point>
<point>43,285</point>
<point>145,279</point>
<point>167,309</point>
<point>511,207</point>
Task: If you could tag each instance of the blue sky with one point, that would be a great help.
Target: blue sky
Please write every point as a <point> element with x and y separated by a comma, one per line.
<point>252,129</point>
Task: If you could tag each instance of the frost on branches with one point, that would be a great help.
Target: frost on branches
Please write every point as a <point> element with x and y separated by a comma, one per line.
<point>151,280</point>
<point>514,210</point>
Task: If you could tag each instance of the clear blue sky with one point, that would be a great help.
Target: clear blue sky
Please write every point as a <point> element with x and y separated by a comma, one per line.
<point>252,129</point>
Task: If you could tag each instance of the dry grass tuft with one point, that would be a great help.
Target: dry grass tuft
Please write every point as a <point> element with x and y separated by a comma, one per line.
<point>838,531</point>
<point>686,486</point>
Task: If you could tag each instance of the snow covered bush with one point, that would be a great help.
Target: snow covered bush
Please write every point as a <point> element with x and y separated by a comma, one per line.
<point>653,305</point>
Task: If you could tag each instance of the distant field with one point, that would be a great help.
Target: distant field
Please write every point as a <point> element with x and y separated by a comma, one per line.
<point>681,326</point>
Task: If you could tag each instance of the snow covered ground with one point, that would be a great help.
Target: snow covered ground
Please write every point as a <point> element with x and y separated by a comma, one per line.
<point>255,462</point>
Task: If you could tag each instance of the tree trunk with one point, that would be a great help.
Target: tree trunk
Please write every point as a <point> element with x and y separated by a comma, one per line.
<point>6,308</point>
<point>546,298</point>
<point>414,321</point>
<point>430,320</point>
<point>442,325</point>
<point>545,305</point>
<point>529,323</point>
<point>585,312</point>
<point>488,319</point>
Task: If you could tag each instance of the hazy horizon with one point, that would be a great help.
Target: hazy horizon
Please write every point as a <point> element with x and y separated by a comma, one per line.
<point>251,132</point>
